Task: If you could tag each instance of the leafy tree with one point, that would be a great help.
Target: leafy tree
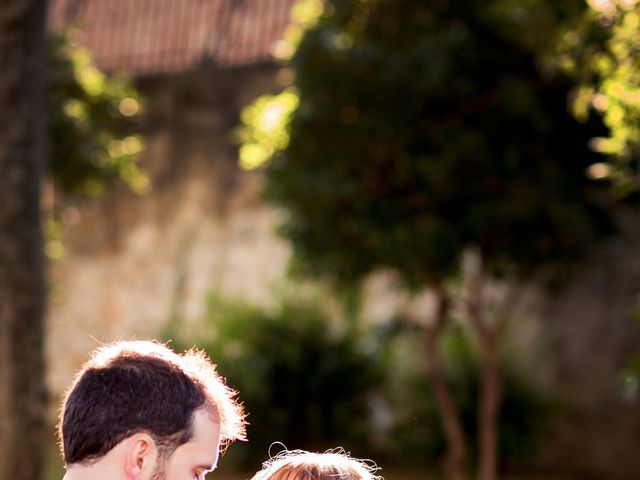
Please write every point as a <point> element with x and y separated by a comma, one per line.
<point>22,292</point>
<point>91,117</point>
<point>416,134</point>
<point>92,140</point>
<point>601,51</point>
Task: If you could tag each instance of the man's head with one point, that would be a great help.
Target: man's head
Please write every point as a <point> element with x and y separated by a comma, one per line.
<point>142,395</point>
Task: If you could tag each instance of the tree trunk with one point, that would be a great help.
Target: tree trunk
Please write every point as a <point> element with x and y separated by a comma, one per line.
<point>489,407</point>
<point>488,334</point>
<point>456,459</point>
<point>22,286</point>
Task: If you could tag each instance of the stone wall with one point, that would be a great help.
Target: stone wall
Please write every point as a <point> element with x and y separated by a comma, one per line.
<point>586,336</point>
<point>132,261</point>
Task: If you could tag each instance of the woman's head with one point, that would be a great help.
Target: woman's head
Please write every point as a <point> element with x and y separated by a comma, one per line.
<point>302,465</point>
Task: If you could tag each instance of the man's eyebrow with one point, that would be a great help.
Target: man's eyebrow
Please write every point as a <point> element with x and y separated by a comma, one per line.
<point>205,466</point>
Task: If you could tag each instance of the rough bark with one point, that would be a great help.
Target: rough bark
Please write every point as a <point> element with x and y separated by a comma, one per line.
<point>22,286</point>
<point>456,458</point>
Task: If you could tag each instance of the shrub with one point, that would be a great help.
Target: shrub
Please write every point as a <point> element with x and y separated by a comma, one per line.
<point>303,381</point>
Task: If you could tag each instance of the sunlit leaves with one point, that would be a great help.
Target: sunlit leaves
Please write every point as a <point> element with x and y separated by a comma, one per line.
<point>129,107</point>
<point>54,248</point>
<point>265,129</point>
<point>609,76</point>
<point>304,14</point>
<point>87,112</point>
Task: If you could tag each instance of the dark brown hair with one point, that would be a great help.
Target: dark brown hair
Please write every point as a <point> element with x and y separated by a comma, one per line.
<point>143,386</point>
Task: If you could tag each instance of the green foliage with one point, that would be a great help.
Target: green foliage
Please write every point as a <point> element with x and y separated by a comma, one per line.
<point>89,113</point>
<point>418,130</point>
<point>527,408</point>
<point>303,382</point>
<point>629,380</point>
<point>602,52</point>
<point>629,377</point>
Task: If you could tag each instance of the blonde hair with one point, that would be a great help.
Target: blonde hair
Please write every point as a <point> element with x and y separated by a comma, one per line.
<point>333,464</point>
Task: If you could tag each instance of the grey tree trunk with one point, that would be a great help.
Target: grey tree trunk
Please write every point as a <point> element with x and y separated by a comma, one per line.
<point>22,285</point>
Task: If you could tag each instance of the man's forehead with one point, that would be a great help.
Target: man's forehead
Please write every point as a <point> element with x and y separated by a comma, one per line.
<point>206,437</point>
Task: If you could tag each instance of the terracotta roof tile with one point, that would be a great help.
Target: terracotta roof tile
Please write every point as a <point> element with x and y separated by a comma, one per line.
<point>156,36</point>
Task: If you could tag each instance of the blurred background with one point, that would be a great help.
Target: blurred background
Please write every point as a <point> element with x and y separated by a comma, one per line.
<point>405,227</point>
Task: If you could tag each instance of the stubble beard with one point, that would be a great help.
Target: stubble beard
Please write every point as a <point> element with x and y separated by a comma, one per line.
<point>160,471</point>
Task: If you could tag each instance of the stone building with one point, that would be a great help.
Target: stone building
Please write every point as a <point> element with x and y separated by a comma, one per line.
<point>134,261</point>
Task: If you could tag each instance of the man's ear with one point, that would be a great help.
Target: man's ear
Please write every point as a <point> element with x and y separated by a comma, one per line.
<point>141,456</point>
